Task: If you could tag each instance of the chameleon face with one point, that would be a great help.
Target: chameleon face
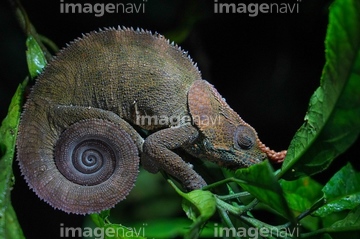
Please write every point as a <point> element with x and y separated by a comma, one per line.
<point>228,140</point>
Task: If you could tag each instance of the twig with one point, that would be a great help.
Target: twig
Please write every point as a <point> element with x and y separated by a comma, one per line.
<point>28,28</point>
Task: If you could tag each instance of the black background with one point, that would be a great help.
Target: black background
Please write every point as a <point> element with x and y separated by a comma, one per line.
<point>266,67</point>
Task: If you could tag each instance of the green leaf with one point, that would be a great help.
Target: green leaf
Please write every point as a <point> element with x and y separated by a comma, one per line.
<point>172,228</point>
<point>169,228</point>
<point>100,219</point>
<point>302,193</point>
<point>105,229</point>
<point>332,122</point>
<point>341,192</point>
<point>199,206</point>
<point>35,57</point>
<point>350,222</point>
<point>117,231</point>
<point>204,203</point>
<point>260,181</point>
<point>9,226</point>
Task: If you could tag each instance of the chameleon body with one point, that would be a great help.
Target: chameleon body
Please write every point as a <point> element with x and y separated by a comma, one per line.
<point>123,85</point>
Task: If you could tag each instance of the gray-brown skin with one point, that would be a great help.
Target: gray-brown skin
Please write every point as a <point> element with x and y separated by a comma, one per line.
<point>109,80</point>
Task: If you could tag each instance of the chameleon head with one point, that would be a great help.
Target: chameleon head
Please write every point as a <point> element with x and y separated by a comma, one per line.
<point>228,140</point>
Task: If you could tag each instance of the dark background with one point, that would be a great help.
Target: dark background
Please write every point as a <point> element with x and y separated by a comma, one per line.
<point>266,67</point>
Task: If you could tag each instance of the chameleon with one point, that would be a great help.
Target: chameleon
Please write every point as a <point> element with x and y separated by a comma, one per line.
<point>113,98</point>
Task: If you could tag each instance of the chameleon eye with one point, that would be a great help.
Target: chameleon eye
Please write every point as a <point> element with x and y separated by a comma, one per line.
<point>244,137</point>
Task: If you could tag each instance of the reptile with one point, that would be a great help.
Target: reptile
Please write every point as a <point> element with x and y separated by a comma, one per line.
<point>118,96</point>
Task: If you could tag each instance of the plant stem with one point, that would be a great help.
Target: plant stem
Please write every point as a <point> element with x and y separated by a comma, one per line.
<point>226,180</point>
<point>314,207</point>
<point>235,210</point>
<point>49,43</point>
<point>28,28</point>
<point>233,196</point>
<point>226,219</point>
<point>278,231</point>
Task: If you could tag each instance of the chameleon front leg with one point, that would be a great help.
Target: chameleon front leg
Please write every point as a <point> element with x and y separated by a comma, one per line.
<point>159,155</point>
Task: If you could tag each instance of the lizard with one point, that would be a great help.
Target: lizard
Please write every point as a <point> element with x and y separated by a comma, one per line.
<point>108,82</point>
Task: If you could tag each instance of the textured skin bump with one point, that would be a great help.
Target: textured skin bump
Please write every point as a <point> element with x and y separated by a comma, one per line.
<point>113,79</point>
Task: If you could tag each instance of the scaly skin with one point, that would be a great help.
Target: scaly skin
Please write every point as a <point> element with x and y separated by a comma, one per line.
<point>121,76</point>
